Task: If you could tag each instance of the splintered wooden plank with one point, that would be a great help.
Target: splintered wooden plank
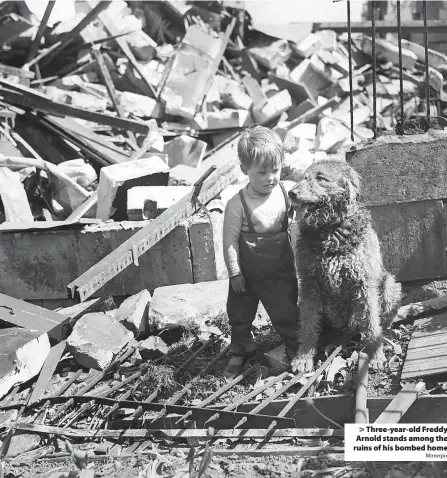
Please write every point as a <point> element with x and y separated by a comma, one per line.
<point>47,371</point>
<point>15,202</point>
<point>41,30</point>
<point>400,403</point>
<point>427,349</point>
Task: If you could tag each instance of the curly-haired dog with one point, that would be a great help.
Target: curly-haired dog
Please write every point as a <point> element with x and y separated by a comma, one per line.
<point>342,279</point>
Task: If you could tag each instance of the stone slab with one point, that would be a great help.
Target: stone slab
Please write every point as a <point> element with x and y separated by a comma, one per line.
<point>412,237</point>
<point>185,150</point>
<point>133,312</point>
<point>97,339</point>
<point>203,253</point>
<point>22,356</point>
<point>191,305</point>
<point>402,168</point>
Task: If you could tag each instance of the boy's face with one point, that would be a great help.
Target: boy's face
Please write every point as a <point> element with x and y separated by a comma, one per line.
<point>263,179</point>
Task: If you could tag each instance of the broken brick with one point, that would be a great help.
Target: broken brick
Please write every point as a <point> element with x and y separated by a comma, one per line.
<point>153,348</point>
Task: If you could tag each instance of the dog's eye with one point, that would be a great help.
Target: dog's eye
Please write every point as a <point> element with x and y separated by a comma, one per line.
<point>320,177</point>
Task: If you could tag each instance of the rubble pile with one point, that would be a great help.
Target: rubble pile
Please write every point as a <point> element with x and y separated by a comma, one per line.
<point>137,83</point>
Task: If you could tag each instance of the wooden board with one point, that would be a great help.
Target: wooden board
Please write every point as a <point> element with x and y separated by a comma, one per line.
<point>32,317</point>
<point>427,349</point>
<point>400,404</point>
<point>47,371</point>
<point>15,202</point>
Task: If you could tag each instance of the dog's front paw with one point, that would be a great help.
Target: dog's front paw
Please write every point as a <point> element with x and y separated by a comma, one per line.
<point>377,364</point>
<point>302,364</point>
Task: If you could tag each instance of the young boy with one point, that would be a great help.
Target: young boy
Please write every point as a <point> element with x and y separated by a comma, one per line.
<point>257,249</point>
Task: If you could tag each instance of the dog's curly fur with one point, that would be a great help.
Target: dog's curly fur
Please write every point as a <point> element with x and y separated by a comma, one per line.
<point>342,279</point>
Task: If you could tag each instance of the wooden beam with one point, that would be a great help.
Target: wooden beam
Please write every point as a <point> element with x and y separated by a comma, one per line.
<point>400,403</point>
<point>382,26</point>
<point>47,371</point>
<point>21,96</point>
<point>68,37</point>
<point>41,30</point>
<point>361,392</point>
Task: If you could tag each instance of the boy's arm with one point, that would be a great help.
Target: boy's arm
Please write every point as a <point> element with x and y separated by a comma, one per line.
<point>232,226</point>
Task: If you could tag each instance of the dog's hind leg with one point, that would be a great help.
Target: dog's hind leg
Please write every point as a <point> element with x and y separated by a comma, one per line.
<point>311,312</point>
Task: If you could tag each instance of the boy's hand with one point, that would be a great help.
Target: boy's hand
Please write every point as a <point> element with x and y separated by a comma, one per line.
<point>238,283</point>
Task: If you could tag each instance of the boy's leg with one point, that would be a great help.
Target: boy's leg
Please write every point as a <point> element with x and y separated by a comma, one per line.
<point>279,295</point>
<point>241,309</point>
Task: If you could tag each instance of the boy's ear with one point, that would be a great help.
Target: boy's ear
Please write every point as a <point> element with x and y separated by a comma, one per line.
<point>243,168</point>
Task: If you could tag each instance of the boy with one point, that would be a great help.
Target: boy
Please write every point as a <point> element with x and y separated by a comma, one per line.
<point>257,249</point>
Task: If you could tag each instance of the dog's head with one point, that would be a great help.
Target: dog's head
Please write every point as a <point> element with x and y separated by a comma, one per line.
<point>325,194</point>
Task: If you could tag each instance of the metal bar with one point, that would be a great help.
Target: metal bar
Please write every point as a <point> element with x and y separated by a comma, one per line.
<point>401,80</point>
<point>427,73</point>
<point>188,386</point>
<point>210,341</point>
<point>248,396</point>
<point>382,26</point>
<point>374,65</point>
<point>351,99</point>
<point>306,387</point>
<point>222,390</point>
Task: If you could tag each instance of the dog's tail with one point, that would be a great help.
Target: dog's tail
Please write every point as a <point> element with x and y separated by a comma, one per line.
<point>391,293</point>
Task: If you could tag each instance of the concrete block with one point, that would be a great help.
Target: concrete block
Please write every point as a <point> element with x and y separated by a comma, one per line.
<point>182,175</point>
<point>133,312</point>
<point>305,133</point>
<point>254,90</point>
<point>307,46</point>
<point>96,340</point>
<point>153,348</point>
<point>226,118</point>
<point>275,106</point>
<point>236,98</point>
<point>148,202</point>
<point>295,165</point>
<point>299,109</point>
<point>328,39</point>
<point>115,180</point>
<point>276,360</point>
<point>189,305</point>
<point>31,263</point>
<point>203,257</point>
<point>22,356</point>
<point>168,262</point>
<point>412,168</point>
<point>185,150</point>
<point>412,237</point>
<point>309,74</point>
<point>331,134</point>
<point>389,52</point>
<point>272,54</point>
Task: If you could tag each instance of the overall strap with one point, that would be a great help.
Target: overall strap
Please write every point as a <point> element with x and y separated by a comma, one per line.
<point>285,222</point>
<point>246,211</point>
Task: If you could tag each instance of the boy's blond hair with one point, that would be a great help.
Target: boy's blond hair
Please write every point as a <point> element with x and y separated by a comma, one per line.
<point>260,147</point>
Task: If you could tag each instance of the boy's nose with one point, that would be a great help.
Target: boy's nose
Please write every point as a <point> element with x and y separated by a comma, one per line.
<point>292,195</point>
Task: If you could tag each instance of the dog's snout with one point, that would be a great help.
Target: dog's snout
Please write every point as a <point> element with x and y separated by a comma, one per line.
<point>292,195</point>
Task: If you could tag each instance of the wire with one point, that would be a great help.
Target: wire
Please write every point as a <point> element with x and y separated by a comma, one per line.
<point>373,46</point>
<point>427,74</point>
<point>401,81</point>
<point>351,99</point>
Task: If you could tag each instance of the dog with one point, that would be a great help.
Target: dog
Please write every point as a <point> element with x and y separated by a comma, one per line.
<point>342,280</point>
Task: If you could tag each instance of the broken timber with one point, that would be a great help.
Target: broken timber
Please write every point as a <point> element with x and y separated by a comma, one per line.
<point>400,403</point>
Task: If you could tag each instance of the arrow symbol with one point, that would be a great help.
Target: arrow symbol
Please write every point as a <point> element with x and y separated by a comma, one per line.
<point>361,429</point>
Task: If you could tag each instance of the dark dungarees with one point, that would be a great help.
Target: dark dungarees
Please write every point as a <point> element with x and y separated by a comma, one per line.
<point>266,261</point>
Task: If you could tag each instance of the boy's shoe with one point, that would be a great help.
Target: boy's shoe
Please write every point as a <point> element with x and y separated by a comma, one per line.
<point>236,364</point>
